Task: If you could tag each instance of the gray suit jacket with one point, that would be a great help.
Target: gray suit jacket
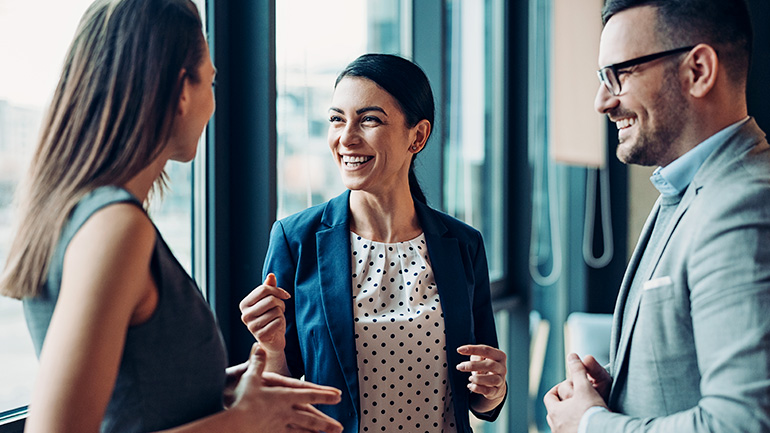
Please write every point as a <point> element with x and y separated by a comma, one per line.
<point>700,332</point>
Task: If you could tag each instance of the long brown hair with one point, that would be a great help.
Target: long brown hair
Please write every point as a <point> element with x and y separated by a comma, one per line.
<point>110,117</point>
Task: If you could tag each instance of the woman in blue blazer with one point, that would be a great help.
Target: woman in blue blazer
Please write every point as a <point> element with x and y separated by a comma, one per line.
<point>382,296</point>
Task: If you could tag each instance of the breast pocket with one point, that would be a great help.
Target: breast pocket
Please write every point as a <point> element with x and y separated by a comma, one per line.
<point>657,290</point>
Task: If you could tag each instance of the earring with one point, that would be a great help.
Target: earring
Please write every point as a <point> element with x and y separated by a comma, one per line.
<point>413,148</point>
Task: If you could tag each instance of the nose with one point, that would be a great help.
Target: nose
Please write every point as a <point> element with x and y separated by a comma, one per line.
<point>348,134</point>
<point>604,101</point>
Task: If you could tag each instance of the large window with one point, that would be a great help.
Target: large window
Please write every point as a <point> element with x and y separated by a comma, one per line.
<point>26,85</point>
<point>473,152</point>
<point>306,70</point>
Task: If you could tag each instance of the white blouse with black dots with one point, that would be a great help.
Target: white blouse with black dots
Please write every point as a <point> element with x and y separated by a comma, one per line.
<point>400,339</point>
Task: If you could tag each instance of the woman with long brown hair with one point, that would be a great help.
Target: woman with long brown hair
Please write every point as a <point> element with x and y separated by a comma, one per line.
<point>126,341</point>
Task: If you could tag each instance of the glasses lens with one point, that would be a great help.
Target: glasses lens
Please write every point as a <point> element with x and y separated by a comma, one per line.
<point>610,81</point>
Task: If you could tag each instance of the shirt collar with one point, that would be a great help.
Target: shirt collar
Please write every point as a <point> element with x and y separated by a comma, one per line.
<point>676,177</point>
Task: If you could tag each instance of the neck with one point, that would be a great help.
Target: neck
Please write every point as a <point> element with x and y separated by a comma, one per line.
<point>140,184</point>
<point>384,218</point>
<point>709,118</point>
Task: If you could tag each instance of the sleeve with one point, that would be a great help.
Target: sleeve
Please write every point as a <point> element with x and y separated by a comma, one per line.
<point>483,315</point>
<point>280,261</point>
<point>728,268</point>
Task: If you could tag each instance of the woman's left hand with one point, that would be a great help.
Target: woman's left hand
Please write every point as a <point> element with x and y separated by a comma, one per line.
<point>488,369</point>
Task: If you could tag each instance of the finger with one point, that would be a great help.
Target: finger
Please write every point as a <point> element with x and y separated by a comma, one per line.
<point>551,398</point>
<point>490,380</point>
<point>310,418</point>
<point>273,379</point>
<point>309,395</point>
<point>271,281</point>
<point>271,334</point>
<point>261,292</point>
<point>482,350</point>
<point>257,361</point>
<point>483,366</point>
<point>578,372</point>
<point>489,392</point>
<point>256,322</point>
<point>565,389</point>
<point>594,369</point>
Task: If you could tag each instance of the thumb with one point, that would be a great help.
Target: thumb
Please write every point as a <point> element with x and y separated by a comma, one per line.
<point>257,360</point>
<point>270,280</point>
<point>577,371</point>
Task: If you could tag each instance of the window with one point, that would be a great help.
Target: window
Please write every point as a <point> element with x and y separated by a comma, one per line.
<point>306,70</point>
<point>473,152</point>
<point>26,85</point>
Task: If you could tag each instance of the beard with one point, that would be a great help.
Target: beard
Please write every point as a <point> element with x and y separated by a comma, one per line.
<point>655,145</point>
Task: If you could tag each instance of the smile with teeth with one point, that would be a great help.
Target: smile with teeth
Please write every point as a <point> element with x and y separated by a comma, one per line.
<point>355,161</point>
<point>625,123</point>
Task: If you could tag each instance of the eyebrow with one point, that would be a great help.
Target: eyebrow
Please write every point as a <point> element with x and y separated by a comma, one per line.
<point>361,110</point>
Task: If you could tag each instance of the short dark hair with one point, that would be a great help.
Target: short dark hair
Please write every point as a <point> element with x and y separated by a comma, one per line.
<point>408,85</point>
<point>723,24</point>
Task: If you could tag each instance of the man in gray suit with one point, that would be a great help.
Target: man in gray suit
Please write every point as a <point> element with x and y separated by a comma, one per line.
<point>690,345</point>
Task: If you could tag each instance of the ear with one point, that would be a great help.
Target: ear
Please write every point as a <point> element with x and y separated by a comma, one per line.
<point>420,134</point>
<point>183,106</point>
<point>701,70</point>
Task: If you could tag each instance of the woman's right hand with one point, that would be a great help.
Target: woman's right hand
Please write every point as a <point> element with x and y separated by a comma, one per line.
<point>262,312</point>
<point>273,403</point>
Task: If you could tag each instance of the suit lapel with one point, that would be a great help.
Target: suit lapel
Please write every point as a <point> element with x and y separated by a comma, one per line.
<point>628,278</point>
<point>333,255</point>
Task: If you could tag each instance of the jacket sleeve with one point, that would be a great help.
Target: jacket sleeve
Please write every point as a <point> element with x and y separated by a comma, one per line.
<point>280,261</point>
<point>483,316</point>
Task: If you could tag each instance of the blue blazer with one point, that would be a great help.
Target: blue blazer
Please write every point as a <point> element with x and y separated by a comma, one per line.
<point>310,255</point>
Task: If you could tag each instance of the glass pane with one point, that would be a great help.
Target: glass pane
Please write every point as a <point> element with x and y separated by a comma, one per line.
<point>174,213</point>
<point>27,82</point>
<point>474,150</point>
<point>306,69</point>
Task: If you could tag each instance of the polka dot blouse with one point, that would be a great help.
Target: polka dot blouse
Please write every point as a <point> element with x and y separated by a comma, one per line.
<point>400,339</point>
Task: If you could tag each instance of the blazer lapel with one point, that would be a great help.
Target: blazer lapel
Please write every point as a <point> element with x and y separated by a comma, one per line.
<point>626,329</point>
<point>618,341</point>
<point>333,253</point>
<point>446,261</point>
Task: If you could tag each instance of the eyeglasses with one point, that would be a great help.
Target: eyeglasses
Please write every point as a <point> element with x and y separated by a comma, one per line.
<point>608,75</point>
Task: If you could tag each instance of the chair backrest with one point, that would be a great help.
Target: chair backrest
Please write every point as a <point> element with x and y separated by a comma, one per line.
<point>588,334</point>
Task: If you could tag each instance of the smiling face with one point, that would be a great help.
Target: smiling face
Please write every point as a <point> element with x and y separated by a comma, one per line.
<point>369,138</point>
<point>651,110</point>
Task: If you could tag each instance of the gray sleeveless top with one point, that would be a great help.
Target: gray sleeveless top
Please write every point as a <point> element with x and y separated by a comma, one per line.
<point>173,366</point>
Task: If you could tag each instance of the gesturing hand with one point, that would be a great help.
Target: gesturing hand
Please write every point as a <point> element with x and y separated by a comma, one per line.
<point>488,370</point>
<point>568,401</point>
<point>262,312</point>
<point>273,403</point>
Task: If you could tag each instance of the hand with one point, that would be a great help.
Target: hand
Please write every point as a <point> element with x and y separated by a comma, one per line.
<point>597,375</point>
<point>262,312</point>
<point>488,369</point>
<point>600,379</point>
<point>567,402</point>
<point>274,403</point>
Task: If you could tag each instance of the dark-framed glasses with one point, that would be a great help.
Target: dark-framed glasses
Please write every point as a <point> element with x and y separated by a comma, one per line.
<point>608,75</point>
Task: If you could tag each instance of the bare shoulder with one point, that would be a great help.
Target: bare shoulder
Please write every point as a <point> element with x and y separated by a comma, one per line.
<point>112,250</point>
